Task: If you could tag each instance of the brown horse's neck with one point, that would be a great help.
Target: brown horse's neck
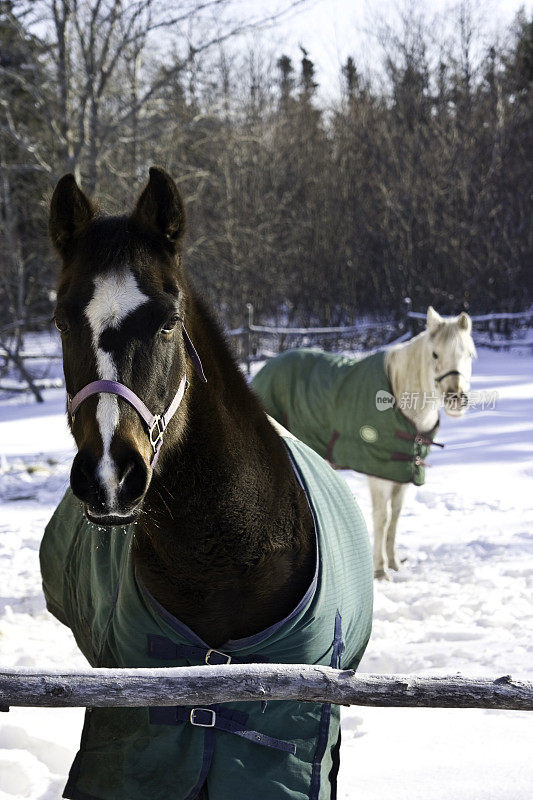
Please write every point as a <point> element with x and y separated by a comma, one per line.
<point>225,541</point>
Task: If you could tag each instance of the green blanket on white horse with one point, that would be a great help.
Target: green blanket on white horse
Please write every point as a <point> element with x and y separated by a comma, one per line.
<point>345,410</point>
<point>276,751</point>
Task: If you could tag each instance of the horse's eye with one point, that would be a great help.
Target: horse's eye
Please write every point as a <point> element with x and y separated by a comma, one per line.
<point>435,355</point>
<point>169,325</point>
<point>61,325</point>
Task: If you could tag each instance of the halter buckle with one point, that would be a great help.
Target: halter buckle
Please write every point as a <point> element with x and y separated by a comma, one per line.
<point>156,431</point>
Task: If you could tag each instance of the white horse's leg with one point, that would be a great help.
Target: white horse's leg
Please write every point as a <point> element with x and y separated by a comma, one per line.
<point>380,491</point>
<point>397,498</point>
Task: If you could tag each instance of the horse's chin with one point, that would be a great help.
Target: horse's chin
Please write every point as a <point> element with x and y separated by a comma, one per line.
<point>453,411</point>
<point>112,520</point>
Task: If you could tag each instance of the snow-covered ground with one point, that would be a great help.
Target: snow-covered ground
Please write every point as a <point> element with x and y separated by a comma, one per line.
<point>463,602</point>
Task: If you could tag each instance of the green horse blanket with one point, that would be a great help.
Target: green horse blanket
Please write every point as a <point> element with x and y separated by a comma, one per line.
<point>345,410</point>
<point>280,750</point>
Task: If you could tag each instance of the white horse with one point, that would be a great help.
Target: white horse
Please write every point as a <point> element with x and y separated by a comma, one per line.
<point>430,371</point>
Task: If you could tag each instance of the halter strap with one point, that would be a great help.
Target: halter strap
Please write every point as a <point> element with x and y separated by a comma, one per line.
<point>156,424</point>
<point>193,355</point>
<point>110,387</point>
<point>451,372</point>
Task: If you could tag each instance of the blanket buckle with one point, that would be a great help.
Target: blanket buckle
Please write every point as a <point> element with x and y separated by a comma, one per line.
<point>198,723</point>
<point>212,651</point>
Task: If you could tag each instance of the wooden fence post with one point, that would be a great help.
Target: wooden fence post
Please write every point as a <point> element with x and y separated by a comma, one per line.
<point>248,337</point>
<point>19,363</point>
<point>407,308</point>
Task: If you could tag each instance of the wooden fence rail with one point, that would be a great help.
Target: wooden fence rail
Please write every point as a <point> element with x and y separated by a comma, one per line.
<point>526,316</point>
<point>249,330</point>
<point>192,686</point>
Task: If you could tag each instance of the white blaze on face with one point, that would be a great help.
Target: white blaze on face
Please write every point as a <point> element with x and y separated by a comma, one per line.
<point>115,296</point>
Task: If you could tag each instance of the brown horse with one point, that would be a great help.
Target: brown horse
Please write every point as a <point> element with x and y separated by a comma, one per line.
<point>223,537</point>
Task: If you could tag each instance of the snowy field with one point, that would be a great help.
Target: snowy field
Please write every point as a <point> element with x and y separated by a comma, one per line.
<point>463,603</point>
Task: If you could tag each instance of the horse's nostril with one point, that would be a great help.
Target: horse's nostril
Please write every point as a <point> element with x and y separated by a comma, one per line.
<point>82,479</point>
<point>133,481</point>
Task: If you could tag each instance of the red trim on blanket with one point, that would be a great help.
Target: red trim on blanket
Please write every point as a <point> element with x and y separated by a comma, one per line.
<point>331,445</point>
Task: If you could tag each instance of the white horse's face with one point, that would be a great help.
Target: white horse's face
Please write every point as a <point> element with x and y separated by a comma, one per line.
<point>450,352</point>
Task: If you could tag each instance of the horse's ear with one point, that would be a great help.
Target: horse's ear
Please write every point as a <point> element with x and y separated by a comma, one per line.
<point>464,322</point>
<point>70,212</point>
<point>433,319</point>
<point>159,209</point>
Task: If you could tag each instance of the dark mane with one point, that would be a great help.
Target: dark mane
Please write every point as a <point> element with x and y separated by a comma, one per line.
<point>228,376</point>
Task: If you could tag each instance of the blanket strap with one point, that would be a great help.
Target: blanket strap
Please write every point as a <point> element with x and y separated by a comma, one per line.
<point>417,438</point>
<point>219,718</point>
<point>167,650</point>
<point>325,715</point>
<point>329,450</point>
<point>418,461</point>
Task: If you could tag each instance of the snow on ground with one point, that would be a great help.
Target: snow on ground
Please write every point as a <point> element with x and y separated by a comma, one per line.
<point>463,602</point>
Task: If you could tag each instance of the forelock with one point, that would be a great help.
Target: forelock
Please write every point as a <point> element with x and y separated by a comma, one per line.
<point>450,335</point>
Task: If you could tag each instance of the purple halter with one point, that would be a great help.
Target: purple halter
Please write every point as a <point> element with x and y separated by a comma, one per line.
<point>156,424</point>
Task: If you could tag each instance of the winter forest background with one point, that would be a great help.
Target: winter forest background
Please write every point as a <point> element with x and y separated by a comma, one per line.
<point>414,181</point>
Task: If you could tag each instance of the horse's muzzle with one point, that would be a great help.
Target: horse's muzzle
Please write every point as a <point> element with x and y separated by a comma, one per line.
<point>455,403</point>
<point>112,497</point>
